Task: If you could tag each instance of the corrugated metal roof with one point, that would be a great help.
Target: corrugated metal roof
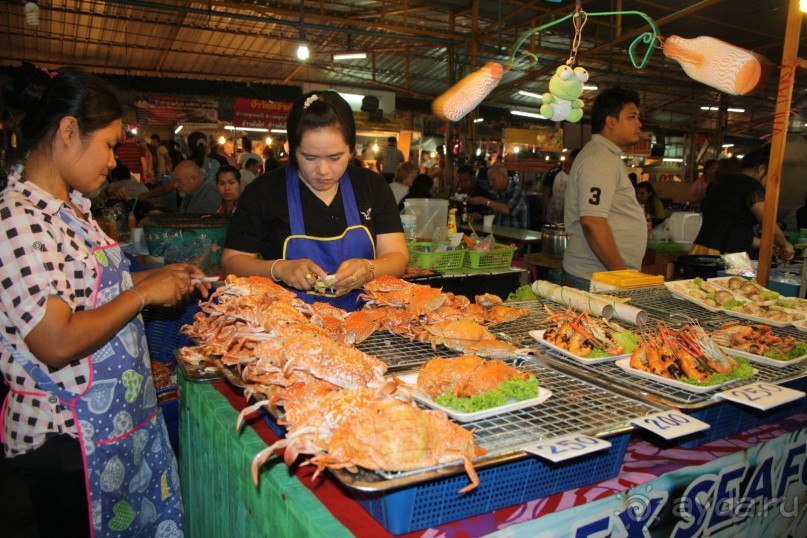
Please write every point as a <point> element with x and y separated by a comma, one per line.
<point>414,47</point>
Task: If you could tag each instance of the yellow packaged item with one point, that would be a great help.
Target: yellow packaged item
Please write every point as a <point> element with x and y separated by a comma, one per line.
<point>627,278</point>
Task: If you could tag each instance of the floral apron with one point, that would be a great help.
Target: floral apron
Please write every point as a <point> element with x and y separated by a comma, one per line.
<point>130,471</point>
<point>327,252</point>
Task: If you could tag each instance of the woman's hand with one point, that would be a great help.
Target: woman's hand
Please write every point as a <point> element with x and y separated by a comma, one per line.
<point>167,286</point>
<point>352,274</point>
<point>301,274</point>
<point>787,253</point>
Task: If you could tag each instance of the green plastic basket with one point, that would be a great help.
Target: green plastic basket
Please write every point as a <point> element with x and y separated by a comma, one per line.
<point>443,260</point>
<point>489,259</point>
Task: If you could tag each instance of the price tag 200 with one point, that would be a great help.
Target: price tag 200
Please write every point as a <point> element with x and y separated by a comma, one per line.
<point>566,447</point>
<point>670,424</point>
<point>761,395</point>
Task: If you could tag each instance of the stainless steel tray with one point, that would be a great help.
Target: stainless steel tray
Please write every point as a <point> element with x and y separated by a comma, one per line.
<point>194,373</point>
<point>399,353</point>
<point>576,407</point>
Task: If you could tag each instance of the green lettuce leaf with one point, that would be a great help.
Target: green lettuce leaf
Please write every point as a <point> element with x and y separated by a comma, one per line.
<point>512,390</point>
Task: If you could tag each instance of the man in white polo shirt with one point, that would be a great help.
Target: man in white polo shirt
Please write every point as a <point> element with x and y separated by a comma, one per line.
<point>605,222</point>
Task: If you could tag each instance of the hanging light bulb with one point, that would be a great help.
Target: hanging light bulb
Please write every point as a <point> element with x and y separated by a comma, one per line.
<point>302,52</point>
<point>222,140</point>
<point>268,140</point>
<point>31,13</point>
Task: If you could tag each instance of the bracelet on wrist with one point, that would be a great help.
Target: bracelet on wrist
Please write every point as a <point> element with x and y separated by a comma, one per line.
<point>139,296</point>
<point>371,270</point>
<point>272,271</point>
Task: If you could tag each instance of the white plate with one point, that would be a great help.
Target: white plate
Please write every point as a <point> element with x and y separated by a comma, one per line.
<point>762,359</point>
<point>411,379</point>
<point>625,365</point>
<point>757,319</point>
<point>539,335</point>
<point>677,289</point>
<point>722,282</point>
<point>801,325</point>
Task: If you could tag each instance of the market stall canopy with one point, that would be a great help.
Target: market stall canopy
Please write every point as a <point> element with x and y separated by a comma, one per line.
<point>414,48</point>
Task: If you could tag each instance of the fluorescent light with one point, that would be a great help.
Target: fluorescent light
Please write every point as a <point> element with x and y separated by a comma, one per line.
<point>302,52</point>
<point>590,87</point>
<point>282,131</point>
<point>672,160</point>
<point>479,120</point>
<point>531,94</point>
<point>179,128</point>
<point>714,108</point>
<point>527,114</point>
<point>478,151</point>
<point>350,56</point>
<point>803,6</point>
<point>727,145</point>
<point>251,129</point>
<point>31,13</point>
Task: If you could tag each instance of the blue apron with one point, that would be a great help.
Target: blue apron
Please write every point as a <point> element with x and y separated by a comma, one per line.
<point>129,468</point>
<point>327,252</point>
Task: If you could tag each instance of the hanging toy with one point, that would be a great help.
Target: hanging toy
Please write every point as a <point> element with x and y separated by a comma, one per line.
<point>465,95</point>
<point>565,87</point>
<point>716,63</point>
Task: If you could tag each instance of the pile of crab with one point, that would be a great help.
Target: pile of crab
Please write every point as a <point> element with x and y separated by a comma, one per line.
<point>425,314</point>
<point>339,409</point>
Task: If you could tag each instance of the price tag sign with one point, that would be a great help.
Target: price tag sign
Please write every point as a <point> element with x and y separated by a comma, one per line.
<point>566,447</point>
<point>670,424</point>
<point>761,395</point>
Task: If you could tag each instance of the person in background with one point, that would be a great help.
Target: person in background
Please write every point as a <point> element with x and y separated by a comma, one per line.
<point>404,176</point>
<point>197,145</point>
<point>269,161</point>
<point>121,185</point>
<point>162,160</point>
<point>796,220</point>
<point>697,192</point>
<point>252,169</point>
<point>130,154</point>
<point>217,153</point>
<point>71,335</point>
<point>480,165</point>
<point>557,197</point>
<point>197,193</point>
<point>248,154</point>
<point>391,158</point>
<point>547,185</point>
<point>318,215</point>
<point>509,203</point>
<point>421,187</point>
<point>606,224</point>
<point>651,206</point>
<point>228,184</point>
<point>175,153</point>
<point>733,206</point>
<point>634,179</point>
<point>469,187</point>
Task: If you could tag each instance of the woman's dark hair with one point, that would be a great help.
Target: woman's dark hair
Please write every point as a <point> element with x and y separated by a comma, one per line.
<point>251,162</point>
<point>421,188</point>
<point>228,168</point>
<point>46,97</point>
<point>197,147</point>
<point>246,143</point>
<point>610,102</point>
<point>120,173</point>
<point>318,110</point>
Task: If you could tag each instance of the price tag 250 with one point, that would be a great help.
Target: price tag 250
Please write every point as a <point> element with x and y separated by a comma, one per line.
<point>566,447</point>
<point>670,424</point>
<point>761,395</point>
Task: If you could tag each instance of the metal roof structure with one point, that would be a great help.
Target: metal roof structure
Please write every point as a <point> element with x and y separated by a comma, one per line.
<point>415,48</point>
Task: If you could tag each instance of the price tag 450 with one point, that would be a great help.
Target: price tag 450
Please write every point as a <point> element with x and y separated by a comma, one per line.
<point>566,447</point>
<point>670,424</point>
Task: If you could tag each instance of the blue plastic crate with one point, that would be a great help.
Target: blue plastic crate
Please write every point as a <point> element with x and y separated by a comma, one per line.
<point>279,430</point>
<point>728,418</point>
<point>436,503</point>
<point>162,330</point>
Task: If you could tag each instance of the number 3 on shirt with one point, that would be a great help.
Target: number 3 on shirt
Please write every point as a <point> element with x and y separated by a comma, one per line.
<point>595,196</point>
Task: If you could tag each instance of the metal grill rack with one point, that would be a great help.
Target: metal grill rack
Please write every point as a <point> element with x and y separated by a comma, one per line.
<point>575,407</point>
<point>612,376</point>
<point>400,353</point>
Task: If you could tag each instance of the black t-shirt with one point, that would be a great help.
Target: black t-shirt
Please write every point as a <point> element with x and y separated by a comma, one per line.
<point>728,223</point>
<point>261,221</point>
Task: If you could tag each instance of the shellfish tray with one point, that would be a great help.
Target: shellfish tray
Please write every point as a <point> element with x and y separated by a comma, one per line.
<point>576,407</point>
<point>661,305</point>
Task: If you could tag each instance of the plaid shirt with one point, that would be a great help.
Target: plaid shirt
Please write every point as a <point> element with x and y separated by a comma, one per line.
<point>40,256</point>
<point>516,201</point>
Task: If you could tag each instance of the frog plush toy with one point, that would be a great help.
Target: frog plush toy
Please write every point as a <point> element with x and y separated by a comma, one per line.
<point>565,86</point>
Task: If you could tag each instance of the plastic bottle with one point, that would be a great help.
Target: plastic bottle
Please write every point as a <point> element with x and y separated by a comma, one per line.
<point>451,227</point>
<point>409,222</point>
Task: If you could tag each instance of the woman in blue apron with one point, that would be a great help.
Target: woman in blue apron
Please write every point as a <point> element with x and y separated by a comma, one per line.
<point>81,422</point>
<point>319,217</point>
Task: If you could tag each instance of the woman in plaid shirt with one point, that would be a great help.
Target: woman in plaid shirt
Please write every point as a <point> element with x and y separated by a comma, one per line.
<point>81,422</point>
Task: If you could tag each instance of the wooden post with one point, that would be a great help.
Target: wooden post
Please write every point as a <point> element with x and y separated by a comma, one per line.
<point>780,122</point>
